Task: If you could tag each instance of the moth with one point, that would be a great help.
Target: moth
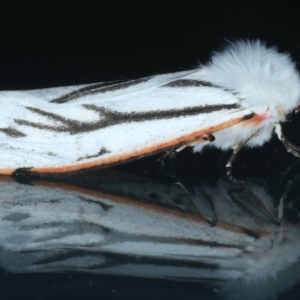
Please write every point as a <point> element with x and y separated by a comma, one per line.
<point>235,100</point>
<point>151,229</point>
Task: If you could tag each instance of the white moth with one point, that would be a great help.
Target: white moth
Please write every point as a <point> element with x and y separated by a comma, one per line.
<point>237,99</point>
<point>58,227</point>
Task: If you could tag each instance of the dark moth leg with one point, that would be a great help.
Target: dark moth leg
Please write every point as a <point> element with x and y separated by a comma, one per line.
<point>235,151</point>
<point>166,154</point>
<point>173,150</point>
<point>289,201</point>
<point>251,204</point>
<point>290,147</point>
<point>209,214</point>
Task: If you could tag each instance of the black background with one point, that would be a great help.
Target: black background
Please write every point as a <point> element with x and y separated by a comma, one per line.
<point>45,44</point>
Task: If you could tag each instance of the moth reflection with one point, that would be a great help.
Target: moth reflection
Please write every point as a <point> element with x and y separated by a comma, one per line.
<point>219,232</point>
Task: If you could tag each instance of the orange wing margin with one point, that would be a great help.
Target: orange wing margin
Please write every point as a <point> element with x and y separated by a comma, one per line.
<point>141,152</point>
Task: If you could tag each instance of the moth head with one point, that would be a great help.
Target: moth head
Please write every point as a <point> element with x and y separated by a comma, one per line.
<point>258,74</point>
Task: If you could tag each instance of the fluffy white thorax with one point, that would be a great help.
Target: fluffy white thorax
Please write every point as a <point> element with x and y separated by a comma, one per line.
<point>260,76</point>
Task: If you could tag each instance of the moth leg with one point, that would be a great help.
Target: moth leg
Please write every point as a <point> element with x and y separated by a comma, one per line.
<point>255,202</point>
<point>208,137</point>
<point>290,147</point>
<point>165,155</point>
<point>211,220</point>
<point>235,151</point>
<point>244,208</point>
<point>232,157</point>
<point>202,139</point>
<point>181,148</point>
<point>282,201</point>
<point>173,150</point>
<point>284,206</point>
<point>191,199</point>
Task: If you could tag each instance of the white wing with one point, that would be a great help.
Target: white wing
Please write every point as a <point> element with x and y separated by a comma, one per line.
<point>68,128</point>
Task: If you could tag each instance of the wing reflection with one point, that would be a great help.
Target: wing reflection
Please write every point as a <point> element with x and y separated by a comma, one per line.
<point>150,229</point>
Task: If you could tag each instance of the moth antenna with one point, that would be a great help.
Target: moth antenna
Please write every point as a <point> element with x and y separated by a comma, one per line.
<point>231,159</point>
<point>290,147</point>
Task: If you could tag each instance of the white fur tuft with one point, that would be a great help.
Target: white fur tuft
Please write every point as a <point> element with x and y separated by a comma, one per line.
<point>260,76</point>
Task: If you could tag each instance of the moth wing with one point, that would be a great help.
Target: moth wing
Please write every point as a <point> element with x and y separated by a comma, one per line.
<point>70,128</point>
<point>132,225</point>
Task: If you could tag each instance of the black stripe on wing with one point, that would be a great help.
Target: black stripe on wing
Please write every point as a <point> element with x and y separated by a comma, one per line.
<point>109,117</point>
<point>12,132</point>
<point>190,83</point>
<point>112,86</point>
<point>99,88</point>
